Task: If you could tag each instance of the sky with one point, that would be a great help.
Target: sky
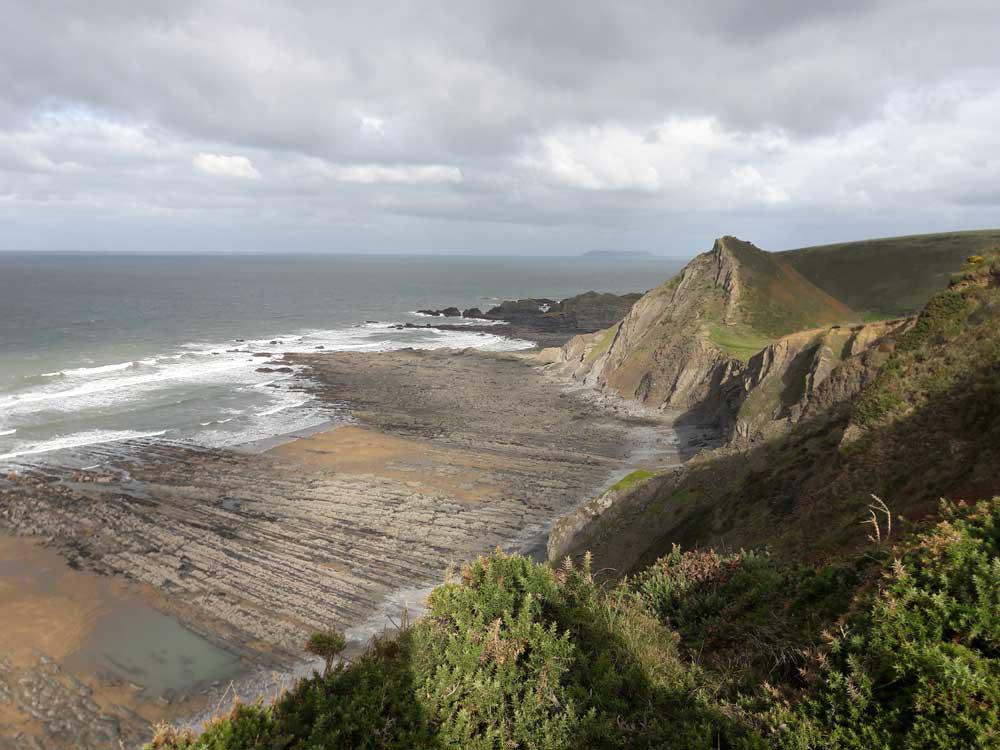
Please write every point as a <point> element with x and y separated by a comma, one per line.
<point>507,126</point>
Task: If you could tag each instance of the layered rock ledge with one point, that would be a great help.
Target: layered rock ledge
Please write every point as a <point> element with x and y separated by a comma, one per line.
<point>450,455</point>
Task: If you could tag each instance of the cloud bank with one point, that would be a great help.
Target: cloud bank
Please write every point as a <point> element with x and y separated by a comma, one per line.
<point>493,126</point>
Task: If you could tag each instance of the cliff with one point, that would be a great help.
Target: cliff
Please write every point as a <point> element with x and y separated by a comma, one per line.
<point>729,325</point>
<point>908,410</point>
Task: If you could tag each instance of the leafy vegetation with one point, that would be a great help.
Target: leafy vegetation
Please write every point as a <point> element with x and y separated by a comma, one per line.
<point>633,478</point>
<point>738,340</point>
<point>327,645</point>
<point>891,648</point>
<point>919,665</point>
<point>889,277</point>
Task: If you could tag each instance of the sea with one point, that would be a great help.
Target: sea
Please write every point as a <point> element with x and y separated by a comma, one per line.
<point>100,348</point>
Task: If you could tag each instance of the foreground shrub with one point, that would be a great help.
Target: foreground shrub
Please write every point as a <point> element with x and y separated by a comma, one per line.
<point>700,651</point>
<point>743,614</point>
<point>919,666</point>
<point>327,645</point>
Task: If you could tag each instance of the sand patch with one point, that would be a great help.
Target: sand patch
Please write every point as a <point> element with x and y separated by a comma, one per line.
<point>419,464</point>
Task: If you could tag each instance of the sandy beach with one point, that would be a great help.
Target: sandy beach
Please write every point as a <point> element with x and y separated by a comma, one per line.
<point>448,455</point>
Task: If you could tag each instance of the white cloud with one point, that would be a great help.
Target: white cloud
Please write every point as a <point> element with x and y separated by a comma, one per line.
<point>747,177</point>
<point>902,159</point>
<point>373,125</point>
<point>372,174</point>
<point>226,166</point>
<point>597,158</point>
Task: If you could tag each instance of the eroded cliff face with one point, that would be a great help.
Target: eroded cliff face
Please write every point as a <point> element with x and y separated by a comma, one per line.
<point>661,353</point>
<point>678,346</point>
<point>805,374</point>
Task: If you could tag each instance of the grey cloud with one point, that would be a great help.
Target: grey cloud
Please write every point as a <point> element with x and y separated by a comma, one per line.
<point>108,104</point>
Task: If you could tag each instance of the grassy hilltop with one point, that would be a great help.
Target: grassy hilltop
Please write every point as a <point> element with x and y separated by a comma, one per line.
<point>798,612</point>
<point>892,276</point>
<point>775,300</point>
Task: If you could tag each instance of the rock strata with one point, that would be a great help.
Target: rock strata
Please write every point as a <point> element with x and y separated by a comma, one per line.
<point>465,451</point>
<point>63,709</point>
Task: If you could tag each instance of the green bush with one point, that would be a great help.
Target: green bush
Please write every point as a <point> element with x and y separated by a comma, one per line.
<point>328,645</point>
<point>744,614</point>
<point>918,666</point>
<point>702,650</point>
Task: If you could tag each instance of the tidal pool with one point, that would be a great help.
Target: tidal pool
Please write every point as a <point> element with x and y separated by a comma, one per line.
<point>95,626</point>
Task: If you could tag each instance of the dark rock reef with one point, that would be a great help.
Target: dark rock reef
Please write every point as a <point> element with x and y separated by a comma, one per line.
<point>546,321</point>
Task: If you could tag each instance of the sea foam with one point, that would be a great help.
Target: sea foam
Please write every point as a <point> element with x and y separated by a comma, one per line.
<point>80,440</point>
<point>122,395</point>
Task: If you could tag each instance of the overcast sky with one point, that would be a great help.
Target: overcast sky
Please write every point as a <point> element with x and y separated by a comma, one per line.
<point>493,127</point>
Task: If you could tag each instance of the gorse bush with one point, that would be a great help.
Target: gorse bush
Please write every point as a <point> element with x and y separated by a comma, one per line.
<point>702,650</point>
<point>743,614</point>
<point>918,666</point>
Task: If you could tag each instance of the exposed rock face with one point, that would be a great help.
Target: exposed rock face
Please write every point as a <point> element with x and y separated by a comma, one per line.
<point>661,353</point>
<point>589,311</point>
<point>677,347</point>
<point>546,321</point>
<point>447,312</point>
<point>804,374</point>
<point>593,311</point>
<point>64,708</point>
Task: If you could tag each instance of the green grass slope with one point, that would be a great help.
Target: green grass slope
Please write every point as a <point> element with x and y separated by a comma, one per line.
<point>776,299</point>
<point>893,276</point>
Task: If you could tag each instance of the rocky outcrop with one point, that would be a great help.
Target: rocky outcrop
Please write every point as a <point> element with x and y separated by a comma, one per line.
<point>662,352</point>
<point>447,312</point>
<point>589,311</point>
<point>684,345</point>
<point>805,374</point>
<point>593,311</point>
<point>549,322</point>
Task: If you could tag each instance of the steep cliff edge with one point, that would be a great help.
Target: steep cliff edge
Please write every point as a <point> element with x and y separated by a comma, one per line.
<point>692,343</point>
<point>805,374</point>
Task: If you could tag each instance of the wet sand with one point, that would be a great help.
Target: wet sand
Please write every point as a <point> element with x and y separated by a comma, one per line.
<point>450,454</point>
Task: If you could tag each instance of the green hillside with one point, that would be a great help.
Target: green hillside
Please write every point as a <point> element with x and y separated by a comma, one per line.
<point>776,299</point>
<point>892,276</point>
<point>927,427</point>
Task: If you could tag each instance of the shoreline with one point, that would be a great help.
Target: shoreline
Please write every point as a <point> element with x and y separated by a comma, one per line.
<point>448,453</point>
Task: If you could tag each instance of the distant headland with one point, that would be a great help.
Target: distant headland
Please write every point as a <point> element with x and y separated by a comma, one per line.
<point>622,254</point>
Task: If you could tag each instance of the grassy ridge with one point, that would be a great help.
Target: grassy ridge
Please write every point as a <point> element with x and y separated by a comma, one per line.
<point>777,300</point>
<point>774,300</point>
<point>927,427</point>
<point>889,277</point>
